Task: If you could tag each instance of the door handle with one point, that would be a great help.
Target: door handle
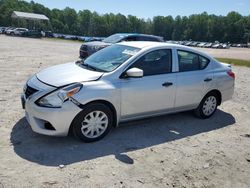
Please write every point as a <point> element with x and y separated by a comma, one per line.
<point>167,84</point>
<point>208,79</point>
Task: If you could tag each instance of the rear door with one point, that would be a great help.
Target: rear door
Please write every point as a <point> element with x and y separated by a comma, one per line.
<point>193,79</point>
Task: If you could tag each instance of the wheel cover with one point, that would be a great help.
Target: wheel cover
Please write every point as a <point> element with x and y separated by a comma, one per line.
<point>94,124</point>
<point>209,105</point>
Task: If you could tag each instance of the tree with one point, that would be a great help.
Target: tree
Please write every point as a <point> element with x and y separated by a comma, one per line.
<point>84,22</point>
<point>200,27</point>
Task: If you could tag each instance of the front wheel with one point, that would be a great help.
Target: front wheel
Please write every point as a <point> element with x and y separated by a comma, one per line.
<point>93,123</point>
<point>208,106</point>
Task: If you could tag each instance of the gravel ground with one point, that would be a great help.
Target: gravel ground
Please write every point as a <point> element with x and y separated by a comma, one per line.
<point>176,150</point>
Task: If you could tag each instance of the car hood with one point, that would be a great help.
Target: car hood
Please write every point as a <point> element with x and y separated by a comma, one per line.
<point>65,74</point>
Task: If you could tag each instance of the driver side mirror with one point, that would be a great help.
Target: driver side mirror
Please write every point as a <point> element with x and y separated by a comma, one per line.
<point>134,73</point>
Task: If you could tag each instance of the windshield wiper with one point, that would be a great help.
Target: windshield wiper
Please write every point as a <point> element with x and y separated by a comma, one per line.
<point>81,63</point>
<point>89,66</point>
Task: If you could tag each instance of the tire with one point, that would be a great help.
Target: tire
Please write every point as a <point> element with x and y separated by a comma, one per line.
<point>93,123</point>
<point>207,106</point>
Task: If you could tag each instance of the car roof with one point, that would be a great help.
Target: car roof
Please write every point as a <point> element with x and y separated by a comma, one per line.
<point>148,44</point>
<point>137,34</point>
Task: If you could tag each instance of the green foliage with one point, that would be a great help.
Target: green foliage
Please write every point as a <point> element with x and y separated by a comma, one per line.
<point>235,61</point>
<point>233,28</point>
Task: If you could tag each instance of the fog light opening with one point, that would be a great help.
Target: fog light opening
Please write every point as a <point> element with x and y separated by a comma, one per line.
<point>47,125</point>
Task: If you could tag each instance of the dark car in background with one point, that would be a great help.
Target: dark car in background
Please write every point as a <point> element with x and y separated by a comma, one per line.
<point>32,34</point>
<point>89,48</point>
<point>48,34</point>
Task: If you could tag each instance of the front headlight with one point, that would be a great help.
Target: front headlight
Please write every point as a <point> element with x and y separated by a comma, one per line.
<point>58,97</point>
<point>95,48</point>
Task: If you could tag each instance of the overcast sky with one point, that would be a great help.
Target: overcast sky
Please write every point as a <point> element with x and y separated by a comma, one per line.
<point>151,8</point>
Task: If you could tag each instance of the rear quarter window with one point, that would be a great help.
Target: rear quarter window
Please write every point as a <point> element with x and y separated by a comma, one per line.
<point>203,62</point>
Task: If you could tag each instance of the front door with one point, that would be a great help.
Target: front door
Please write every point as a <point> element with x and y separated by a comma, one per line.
<point>154,92</point>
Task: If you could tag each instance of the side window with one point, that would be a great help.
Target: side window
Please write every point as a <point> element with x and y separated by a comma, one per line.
<point>145,38</point>
<point>130,38</point>
<point>189,61</point>
<point>156,62</point>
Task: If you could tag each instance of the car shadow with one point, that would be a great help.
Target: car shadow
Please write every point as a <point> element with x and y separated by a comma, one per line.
<point>54,151</point>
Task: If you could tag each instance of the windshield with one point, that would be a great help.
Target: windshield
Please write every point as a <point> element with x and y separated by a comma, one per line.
<point>114,38</point>
<point>108,59</point>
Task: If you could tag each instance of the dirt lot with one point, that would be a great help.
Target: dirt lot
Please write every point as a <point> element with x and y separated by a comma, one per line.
<point>171,151</point>
<point>232,53</point>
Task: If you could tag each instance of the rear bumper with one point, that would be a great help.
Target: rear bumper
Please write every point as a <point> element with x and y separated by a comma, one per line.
<point>227,89</point>
<point>227,94</point>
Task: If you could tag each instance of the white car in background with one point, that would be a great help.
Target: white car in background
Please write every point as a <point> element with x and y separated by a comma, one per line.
<point>124,82</point>
<point>9,30</point>
<point>18,31</point>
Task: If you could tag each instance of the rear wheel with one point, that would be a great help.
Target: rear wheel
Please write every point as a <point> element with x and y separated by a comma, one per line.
<point>93,123</point>
<point>208,106</point>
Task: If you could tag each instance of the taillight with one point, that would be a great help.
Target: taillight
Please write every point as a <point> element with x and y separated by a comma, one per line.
<point>231,74</point>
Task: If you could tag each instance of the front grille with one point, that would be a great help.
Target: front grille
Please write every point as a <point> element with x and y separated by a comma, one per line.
<point>84,51</point>
<point>29,91</point>
<point>83,54</point>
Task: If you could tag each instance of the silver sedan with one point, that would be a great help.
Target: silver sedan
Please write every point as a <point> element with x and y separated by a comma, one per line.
<point>123,82</point>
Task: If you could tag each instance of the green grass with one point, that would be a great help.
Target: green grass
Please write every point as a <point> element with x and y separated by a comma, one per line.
<point>238,62</point>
